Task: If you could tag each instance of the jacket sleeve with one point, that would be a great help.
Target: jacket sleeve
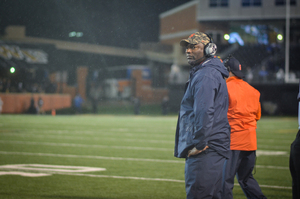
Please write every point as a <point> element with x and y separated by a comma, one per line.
<point>204,91</point>
<point>258,114</point>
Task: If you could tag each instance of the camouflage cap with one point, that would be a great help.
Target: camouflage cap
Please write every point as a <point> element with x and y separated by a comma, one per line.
<point>195,38</point>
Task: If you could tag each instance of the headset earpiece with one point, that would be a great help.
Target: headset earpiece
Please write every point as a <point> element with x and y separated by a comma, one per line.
<point>210,49</point>
<point>226,62</point>
<point>228,68</point>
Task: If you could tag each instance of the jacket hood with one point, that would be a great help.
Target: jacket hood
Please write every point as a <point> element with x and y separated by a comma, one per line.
<point>215,63</point>
<point>218,64</point>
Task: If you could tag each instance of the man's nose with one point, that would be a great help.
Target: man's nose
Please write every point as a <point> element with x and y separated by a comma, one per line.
<point>188,50</point>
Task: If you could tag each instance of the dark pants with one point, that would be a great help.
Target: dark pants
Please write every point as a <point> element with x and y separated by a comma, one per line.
<point>204,175</point>
<point>295,166</point>
<point>241,164</point>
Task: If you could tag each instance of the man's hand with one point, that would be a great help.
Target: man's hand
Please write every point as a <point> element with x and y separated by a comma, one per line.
<point>195,151</point>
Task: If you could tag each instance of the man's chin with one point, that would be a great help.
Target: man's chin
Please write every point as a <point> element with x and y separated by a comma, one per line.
<point>193,62</point>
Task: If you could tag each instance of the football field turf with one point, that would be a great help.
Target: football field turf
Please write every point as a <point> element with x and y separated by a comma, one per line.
<point>106,157</point>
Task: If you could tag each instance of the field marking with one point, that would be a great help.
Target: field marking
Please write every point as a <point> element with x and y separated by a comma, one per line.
<point>87,138</point>
<point>128,177</point>
<point>88,146</point>
<point>124,177</point>
<point>125,140</point>
<point>90,157</point>
<point>106,132</point>
<point>64,170</point>
<point>50,168</point>
<point>269,186</point>
<point>161,179</point>
<point>271,153</point>
<point>258,152</point>
<point>24,174</point>
<point>150,179</point>
<point>135,140</point>
<point>273,147</point>
<point>75,171</point>
<point>118,158</point>
<point>271,167</point>
<point>287,141</point>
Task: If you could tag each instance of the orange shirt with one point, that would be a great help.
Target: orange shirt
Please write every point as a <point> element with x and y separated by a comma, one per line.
<point>243,112</point>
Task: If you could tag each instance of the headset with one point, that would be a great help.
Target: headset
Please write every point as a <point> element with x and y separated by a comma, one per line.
<point>210,49</point>
<point>226,62</point>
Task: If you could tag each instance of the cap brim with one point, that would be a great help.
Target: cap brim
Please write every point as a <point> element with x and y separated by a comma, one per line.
<point>238,74</point>
<point>184,43</point>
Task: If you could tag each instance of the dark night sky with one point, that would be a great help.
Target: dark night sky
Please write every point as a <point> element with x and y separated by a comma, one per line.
<point>123,23</point>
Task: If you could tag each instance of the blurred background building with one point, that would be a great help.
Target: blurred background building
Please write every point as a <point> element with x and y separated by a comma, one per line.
<point>263,35</point>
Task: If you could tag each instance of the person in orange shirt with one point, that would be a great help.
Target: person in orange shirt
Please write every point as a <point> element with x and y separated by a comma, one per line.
<point>243,112</point>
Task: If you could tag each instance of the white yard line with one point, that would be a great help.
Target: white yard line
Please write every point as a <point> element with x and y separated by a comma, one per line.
<point>271,153</point>
<point>123,177</point>
<point>88,146</point>
<point>115,177</point>
<point>41,170</point>
<point>286,147</point>
<point>106,132</point>
<point>90,157</point>
<point>38,134</point>
<point>157,179</point>
<point>118,158</point>
<point>59,137</point>
<point>49,168</point>
<point>280,141</point>
<point>258,152</point>
<point>25,174</point>
<point>271,167</point>
<point>269,186</point>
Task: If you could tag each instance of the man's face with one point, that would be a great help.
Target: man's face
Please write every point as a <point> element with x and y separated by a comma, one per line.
<point>195,53</point>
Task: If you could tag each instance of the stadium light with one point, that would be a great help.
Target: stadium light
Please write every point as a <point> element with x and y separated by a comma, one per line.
<point>235,37</point>
<point>72,34</point>
<point>79,34</point>
<point>12,70</point>
<point>226,37</point>
<point>75,34</point>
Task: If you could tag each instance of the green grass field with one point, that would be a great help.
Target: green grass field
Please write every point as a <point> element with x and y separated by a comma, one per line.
<point>62,156</point>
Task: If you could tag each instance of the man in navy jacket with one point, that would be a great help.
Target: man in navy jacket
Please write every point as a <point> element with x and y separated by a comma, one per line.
<point>202,134</point>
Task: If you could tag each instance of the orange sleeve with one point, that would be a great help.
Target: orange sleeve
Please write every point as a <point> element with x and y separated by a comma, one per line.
<point>258,114</point>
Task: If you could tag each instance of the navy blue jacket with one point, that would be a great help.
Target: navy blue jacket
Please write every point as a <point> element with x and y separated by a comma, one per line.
<point>202,119</point>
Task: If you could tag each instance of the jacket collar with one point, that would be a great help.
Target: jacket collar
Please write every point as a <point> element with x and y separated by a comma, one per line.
<point>195,68</point>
